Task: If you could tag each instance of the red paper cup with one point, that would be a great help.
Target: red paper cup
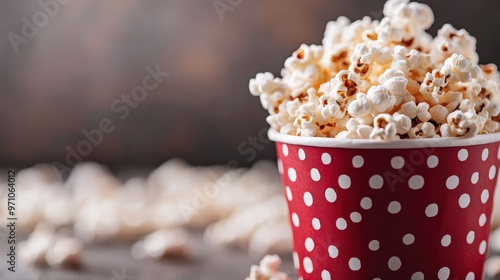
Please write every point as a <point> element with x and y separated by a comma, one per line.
<point>408,209</point>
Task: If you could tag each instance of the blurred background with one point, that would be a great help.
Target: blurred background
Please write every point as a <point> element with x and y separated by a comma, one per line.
<point>133,84</point>
<point>87,54</point>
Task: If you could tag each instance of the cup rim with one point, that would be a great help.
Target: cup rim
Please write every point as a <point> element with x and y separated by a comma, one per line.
<point>383,144</point>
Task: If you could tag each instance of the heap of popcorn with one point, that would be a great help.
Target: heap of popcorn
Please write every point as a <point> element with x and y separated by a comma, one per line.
<point>386,79</point>
<point>158,213</point>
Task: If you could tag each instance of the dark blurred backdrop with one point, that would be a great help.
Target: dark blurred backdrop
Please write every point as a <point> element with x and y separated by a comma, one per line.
<point>83,55</point>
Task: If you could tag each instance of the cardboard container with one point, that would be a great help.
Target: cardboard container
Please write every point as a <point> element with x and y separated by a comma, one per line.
<point>408,209</point>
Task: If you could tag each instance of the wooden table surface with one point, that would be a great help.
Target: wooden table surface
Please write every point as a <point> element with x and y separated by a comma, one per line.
<point>114,262</point>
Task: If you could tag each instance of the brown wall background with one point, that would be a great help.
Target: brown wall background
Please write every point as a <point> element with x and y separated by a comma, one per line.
<point>90,52</point>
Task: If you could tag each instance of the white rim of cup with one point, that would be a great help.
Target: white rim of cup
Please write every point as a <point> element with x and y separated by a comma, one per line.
<point>383,144</point>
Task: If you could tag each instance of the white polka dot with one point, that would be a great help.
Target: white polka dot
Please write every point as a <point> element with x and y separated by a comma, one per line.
<point>285,150</point>
<point>394,263</point>
<point>308,265</point>
<point>356,217</point>
<point>344,181</point>
<point>498,153</point>
<point>354,264</point>
<point>325,275</point>
<point>302,154</point>
<point>417,276</point>
<point>358,161</point>
<point>333,252</point>
<point>315,176</point>
<point>295,219</point>
<point>432,161</point>
<point>289,195</point>
<point>464,201</point>
<point>376,182</point>
<point>482,220</point>
<point>316,223</point>
<point>330,195</point>
<point>366,203</point>
<point>474,178</point>
<point>341,223</point>
<point>485,195</point>
<point>397,162</point>
<point>452,182</point>
<point>292,174</point>
<point>309,244</point>
<point>326,158</point>
<point>444,273</point>
<point>374,245</point>
<point>377,278</point>
<point>394,207</point>
<point>463,154</point>
<point>446,240</point>
<point>492,172</point>
<point>470,237</point>
<point>482,247</point>
<point>296,262</point>
<point>470,276</point>
<point>308,199</point>
<point>280,166</point>
<point>485,154</point>
<point>431,210</point>
<point>416,182</point>
<point>408,239</point>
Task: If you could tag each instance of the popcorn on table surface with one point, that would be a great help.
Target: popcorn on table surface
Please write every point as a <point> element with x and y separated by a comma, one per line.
<point>386,79</point>
<point>158,213</point>
<point>267,269</point>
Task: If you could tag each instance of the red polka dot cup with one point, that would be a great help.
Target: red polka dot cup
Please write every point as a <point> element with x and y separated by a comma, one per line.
<point>408,209</point>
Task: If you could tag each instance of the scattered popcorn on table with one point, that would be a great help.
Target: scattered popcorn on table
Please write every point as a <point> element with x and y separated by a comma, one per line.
<point>96,207</point>
<point>43,246</point>
<point>371,70</point>
<point>267,270</point>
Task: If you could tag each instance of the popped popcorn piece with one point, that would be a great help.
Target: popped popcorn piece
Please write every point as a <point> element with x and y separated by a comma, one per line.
<point>34,249</point>
<point>162,243</point>
<point>450,41</point>
<point>385,128</point>
<point>439,113</point>
<point>303,69</point>
<point>422,130</point>
<point>307,118</point>
<point>462,70</point>
<point>238,228</point>
<point>267,269</point>
<point>420,111</point>
<point>403,123</point>
<point>272,237</point>
<point>65,252</point>
<point>492,266</point>
<point>396,82</point>
<point>459,125</point>
<point>380,99</point>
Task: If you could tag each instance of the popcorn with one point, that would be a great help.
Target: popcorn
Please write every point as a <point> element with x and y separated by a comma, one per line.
<point>303,69</point>
<point>162,243</point>
<point>385,128</point>
<point>391,67</point>
<point>412,110</point>
<point>43,247</point>
<point>439,113</point>
<point>450,41</point>
<point>422,130</point>
<point>65,252</point>
<point>267,270</point>
<point>459,125</point>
